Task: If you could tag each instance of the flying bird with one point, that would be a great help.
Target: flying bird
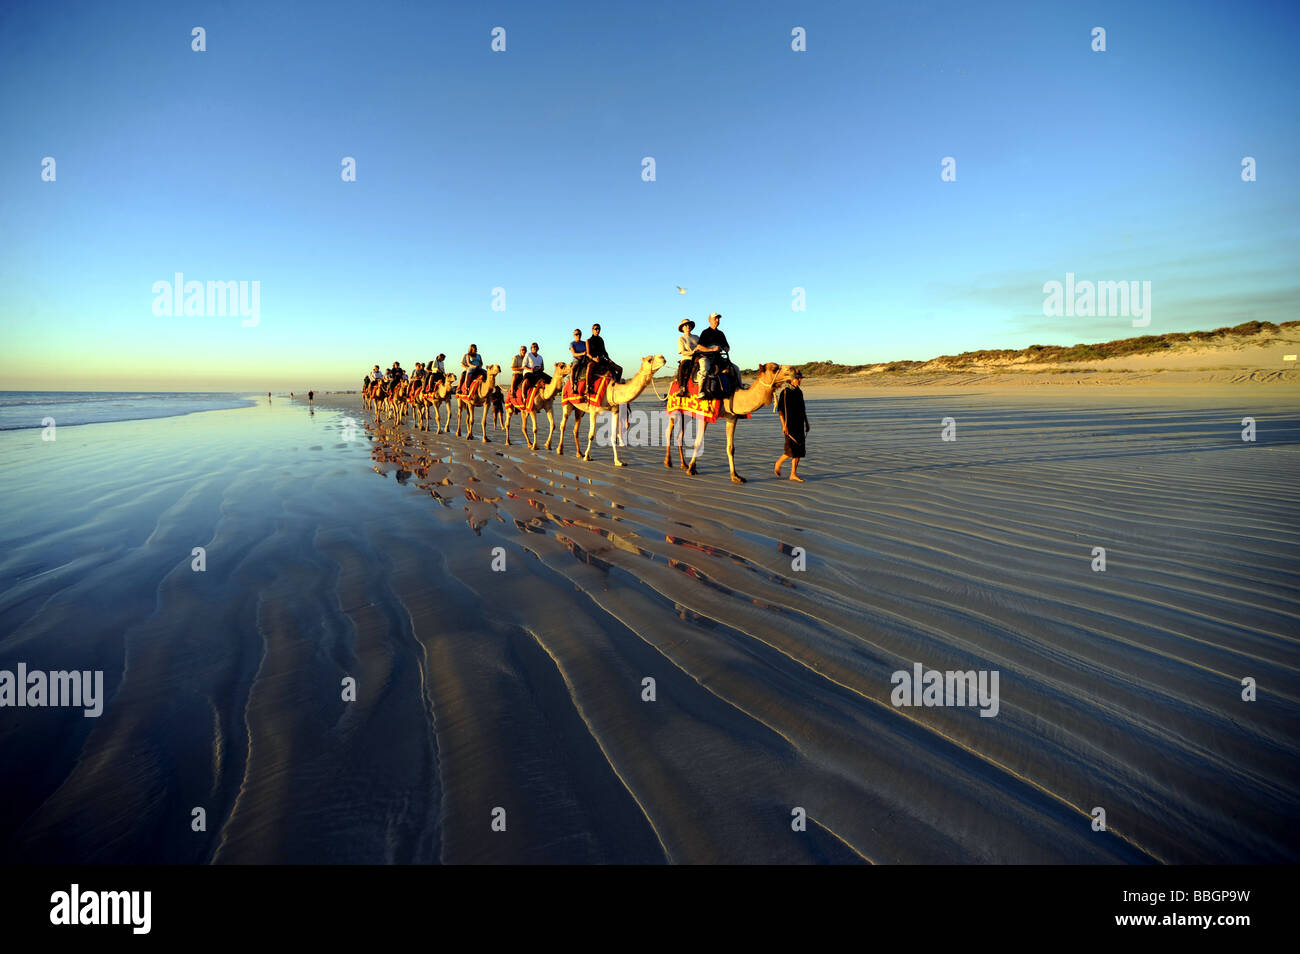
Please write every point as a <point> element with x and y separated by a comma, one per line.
<point>681,290</point>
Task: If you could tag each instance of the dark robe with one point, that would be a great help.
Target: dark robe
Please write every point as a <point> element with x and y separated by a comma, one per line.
<point>789,404</point>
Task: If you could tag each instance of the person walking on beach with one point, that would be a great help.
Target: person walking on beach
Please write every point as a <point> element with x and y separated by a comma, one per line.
<point>311,397</point>
<point>794,424</point>
<point>268,397</point>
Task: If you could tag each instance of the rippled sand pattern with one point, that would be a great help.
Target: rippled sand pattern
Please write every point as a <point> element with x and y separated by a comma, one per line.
<point>522,689</point>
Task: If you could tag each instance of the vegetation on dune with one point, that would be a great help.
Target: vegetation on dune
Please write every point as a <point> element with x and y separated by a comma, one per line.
<point>1050,354</point>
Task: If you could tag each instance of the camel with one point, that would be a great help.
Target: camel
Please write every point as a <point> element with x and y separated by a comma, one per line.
<point>478,397</point>
<point>745,401</point>
<point>615,396</point>
<point>384,399</point>
<point>368,396</point>
<point>542,399</point>
<point>397,401</point>
<point>439,395</point>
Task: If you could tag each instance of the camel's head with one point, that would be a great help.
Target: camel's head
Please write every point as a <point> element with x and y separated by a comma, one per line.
<point>653,362</point>
<point>561,369</point>
<point>492,369</point>
<point>776,374</point>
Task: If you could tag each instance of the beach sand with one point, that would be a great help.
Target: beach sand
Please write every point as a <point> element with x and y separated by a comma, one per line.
<point>522,688</point>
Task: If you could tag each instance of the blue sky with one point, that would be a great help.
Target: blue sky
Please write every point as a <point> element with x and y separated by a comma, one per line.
<point>522,170</point>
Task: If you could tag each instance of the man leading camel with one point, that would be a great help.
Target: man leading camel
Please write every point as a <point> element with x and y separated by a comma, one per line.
<point>794,425</point>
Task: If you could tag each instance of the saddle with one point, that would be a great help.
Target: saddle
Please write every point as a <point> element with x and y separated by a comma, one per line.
<point>722,382</point>
<point>688,400</point>
<point>521,396</point>
<point>576,391</point>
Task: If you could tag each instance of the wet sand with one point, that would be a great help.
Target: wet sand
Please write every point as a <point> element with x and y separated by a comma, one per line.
<point>522,689</point>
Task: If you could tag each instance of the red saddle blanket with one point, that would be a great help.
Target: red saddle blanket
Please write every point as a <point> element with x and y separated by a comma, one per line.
<point>575,391</point>
<point>691,402</point>
<point>519,400</point>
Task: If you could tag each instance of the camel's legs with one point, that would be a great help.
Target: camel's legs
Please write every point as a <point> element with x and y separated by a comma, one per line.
<point>695,451</point>
<point>577,420</point>
<point>614,443</point>
<point>731,450</point>
<point>591,432</point>
<point>668,440</point>
<point>564,420</point>
<point>551,418</point>
<point>482,424</point>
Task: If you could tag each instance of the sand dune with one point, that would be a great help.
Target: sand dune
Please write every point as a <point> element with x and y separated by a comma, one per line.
<point>1215,365</point>
<point>522,689</point>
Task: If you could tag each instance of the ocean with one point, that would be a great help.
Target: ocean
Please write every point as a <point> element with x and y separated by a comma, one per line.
<point>27,409</point>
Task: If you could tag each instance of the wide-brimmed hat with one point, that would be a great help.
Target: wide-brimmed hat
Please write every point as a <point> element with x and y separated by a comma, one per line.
<point>685,321</point>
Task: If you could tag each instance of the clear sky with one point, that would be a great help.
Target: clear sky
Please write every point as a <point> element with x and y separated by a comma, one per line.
<point>522,170</point>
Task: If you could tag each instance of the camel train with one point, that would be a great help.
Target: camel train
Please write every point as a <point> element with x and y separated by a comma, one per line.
<point>393,398</point>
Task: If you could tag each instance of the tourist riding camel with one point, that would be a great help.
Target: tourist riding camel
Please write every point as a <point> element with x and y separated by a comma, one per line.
<point>577,355</point>
<point>598,359</point>
<point>740,404</point>
<point>719,380</point>
<point>517,367</point>
<point>686,351</point>
<point>440,392</point>
<point>535,367</point>
<point>471,366</point>
<point>539,395</point>
<point>606,399</point>
<point>476,396</point>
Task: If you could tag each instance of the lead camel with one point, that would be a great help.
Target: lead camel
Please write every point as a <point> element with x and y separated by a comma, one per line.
<point>743,402</point>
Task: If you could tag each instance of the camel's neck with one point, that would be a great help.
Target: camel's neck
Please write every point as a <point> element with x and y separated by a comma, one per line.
<point>758,394</point>
<point>623,393</point>
<point>550,390</point>
<point>486,387</point>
